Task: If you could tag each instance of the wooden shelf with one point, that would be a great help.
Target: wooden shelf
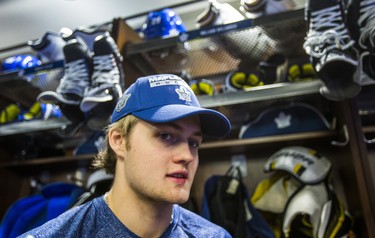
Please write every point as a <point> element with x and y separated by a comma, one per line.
<point>227,145</point>
<point>211,31</point>
<point>225,148</point>
<point>369,129</point>
<point>36,125</point>
<point>267,139</point>
<point>262,93</point>
<point>48,161</point>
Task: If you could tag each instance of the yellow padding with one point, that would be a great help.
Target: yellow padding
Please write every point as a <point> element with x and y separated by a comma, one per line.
<point>308,69</point>
<point>301,72</point>
<point>264,186</point>
<point>203,88</point>
<point>10,113</point>
<point>238,79</point>
<point>243,80</point>
<point>294,71</point>
<point>195,89</point>
<point>297,168</point>
<point>252,81</point>
<point>34,111</point>
<point>206,88</point>
<point>339,223</point>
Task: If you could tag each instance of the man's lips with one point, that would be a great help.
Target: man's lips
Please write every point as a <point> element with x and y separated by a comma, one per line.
<point>179,177</point>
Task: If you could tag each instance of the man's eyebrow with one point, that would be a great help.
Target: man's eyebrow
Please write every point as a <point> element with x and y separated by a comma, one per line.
<point>179,128</point>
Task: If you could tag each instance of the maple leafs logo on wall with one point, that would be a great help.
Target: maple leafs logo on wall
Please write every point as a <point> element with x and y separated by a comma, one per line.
<point>283,120</point>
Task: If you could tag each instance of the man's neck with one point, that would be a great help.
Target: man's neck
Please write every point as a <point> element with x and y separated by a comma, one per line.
<point>143,217</point>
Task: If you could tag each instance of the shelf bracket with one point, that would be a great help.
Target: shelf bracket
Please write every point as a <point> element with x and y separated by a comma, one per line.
<point>346,136</point>
<point>369,141</point>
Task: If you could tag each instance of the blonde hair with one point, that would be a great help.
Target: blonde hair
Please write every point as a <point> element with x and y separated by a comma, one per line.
<point>106,158</point>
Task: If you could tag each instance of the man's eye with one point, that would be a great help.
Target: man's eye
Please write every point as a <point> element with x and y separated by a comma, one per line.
<point>194,144</point>
<point>166,137</point>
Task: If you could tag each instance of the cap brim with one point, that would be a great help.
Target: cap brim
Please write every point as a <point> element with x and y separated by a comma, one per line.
<point>213,123</point>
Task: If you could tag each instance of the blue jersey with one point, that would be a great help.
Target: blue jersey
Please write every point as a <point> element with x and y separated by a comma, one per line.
<point>95,219</point>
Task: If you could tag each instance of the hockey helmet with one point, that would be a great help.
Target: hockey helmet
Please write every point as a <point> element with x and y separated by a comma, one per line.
<point>305,164</point>
<point>21,61</point>
<point>161,24</point>
<point>315,211</point>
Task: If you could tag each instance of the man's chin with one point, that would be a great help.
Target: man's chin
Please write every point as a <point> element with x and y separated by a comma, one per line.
<point>181,198</point>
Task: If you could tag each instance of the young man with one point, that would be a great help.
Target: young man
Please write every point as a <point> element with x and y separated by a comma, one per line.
<point>152,150</point>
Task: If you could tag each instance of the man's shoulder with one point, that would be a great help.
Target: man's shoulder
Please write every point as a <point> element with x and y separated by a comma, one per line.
<point>70,222</point>
<point>201,227</point>
<point>190,216</point>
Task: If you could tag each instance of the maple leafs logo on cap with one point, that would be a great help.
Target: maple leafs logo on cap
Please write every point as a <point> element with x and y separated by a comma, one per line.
<point>122,102</point>
<point>183,94</point>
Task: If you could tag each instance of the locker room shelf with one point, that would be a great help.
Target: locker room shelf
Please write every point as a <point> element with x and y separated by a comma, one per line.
<point>225,146</point>
<point>33,126</point>
<point>58,163</point>
<point>266,139</point>
<point>267,92</point>
<point>220,49</point>
<point>156,44</point>
<point>229,147</point>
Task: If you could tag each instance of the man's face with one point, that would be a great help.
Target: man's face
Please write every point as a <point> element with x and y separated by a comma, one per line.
<point>161,162</point>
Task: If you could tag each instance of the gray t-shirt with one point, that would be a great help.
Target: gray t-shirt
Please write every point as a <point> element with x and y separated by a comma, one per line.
<point>95,219</point>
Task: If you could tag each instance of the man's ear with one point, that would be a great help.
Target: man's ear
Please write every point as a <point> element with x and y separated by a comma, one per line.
<point>116,141</point>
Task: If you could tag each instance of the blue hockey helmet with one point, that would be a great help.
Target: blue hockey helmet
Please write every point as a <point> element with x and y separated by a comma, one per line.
<point>21,61</point>
<point>163,23</point>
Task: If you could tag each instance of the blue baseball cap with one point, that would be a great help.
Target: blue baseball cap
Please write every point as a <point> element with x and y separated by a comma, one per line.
<point>164,98</point>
